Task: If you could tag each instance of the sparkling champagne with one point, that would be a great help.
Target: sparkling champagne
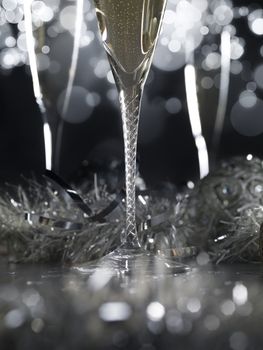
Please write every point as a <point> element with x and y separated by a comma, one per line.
<point>129,30</point>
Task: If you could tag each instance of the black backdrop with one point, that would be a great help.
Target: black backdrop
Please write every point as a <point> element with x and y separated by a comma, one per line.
<point>170,157</point>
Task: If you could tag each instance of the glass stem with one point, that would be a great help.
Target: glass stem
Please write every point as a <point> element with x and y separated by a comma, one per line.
<point>130,100</point>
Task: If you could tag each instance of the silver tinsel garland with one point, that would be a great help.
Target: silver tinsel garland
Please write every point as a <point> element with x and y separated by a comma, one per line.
<point>42,224</point>
<point>221,216</point>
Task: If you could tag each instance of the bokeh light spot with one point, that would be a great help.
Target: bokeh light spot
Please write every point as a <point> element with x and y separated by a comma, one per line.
<point>247,122</point>
<point>78,109</point>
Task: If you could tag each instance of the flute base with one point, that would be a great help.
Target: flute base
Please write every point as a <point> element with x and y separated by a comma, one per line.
<point>136,263</point>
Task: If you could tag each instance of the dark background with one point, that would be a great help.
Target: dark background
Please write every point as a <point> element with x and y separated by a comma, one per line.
<point>171,156</point>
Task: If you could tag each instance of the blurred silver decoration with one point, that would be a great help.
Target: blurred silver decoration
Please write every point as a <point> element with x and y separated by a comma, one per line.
<point>223,214</point>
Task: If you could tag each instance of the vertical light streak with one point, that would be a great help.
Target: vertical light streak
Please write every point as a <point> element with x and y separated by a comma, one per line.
<point>71,77</point>
<point>36,85</point>
<point>195,121</point>
<point>31,49</point>
<point>75,54</point>
<point>48,145</point>
<point>224,89</point>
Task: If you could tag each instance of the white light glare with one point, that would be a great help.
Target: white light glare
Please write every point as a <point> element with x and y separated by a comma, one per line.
<point>155,311</point>
<point>257,26</point>
<point>240,294</point>
<point>115,311</point>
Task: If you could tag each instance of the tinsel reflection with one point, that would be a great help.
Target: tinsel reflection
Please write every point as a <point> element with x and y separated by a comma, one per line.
<point>193,311</point>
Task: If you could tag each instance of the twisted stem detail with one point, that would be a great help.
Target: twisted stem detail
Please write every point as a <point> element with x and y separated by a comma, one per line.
<point>130,100</point>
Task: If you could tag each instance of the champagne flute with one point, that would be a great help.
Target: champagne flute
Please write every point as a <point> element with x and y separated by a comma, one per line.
<point>48,24</point>
<point>129,31</point>
<point>49,74</point>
